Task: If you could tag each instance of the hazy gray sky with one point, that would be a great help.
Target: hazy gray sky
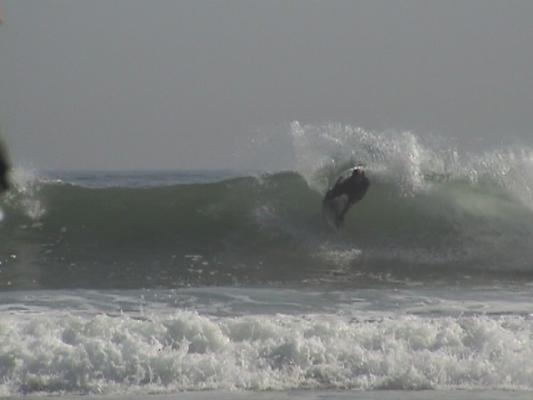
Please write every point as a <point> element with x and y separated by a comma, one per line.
<point>120,84</point>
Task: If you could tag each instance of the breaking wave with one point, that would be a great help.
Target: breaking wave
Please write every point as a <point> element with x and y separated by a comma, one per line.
<point>432,212</point>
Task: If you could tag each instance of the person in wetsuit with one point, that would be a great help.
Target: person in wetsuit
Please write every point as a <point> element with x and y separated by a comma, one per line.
<point>352,188</point>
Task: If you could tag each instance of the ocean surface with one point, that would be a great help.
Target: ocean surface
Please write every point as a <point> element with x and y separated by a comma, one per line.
<point>230,284</point>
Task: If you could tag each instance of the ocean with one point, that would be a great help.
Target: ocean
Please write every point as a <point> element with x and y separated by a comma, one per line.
<point>204,284</point>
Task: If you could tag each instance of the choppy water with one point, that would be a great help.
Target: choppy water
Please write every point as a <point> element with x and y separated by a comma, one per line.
<point>158,282</point>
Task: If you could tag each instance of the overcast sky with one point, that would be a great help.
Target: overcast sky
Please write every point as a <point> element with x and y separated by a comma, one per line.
<point>136,84</point>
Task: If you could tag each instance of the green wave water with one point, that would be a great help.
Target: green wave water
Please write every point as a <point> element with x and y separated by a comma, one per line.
<point>264,229</point>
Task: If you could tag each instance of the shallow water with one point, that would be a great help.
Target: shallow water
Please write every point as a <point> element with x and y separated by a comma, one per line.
<point>335,395</point>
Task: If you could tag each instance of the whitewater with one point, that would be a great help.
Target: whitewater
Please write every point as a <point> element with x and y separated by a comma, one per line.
<point>128,284</point>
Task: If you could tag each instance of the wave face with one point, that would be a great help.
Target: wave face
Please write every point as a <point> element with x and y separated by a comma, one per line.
<point>432,213</point>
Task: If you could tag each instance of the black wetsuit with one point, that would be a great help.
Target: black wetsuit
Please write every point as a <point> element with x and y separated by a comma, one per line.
<point>355,187</point>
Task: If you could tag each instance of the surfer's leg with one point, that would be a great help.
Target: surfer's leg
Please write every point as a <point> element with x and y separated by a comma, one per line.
<point>340,217</point>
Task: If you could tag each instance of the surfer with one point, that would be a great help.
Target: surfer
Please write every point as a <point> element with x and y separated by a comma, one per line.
<point>346,192</point>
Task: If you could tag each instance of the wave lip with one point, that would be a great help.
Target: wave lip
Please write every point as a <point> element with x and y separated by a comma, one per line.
<point>187,351</point>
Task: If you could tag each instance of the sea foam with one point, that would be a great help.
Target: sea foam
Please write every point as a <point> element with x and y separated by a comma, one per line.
<point>187,351</point>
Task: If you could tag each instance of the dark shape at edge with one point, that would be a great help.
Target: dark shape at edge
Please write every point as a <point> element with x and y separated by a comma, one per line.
<point>5,167</point>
